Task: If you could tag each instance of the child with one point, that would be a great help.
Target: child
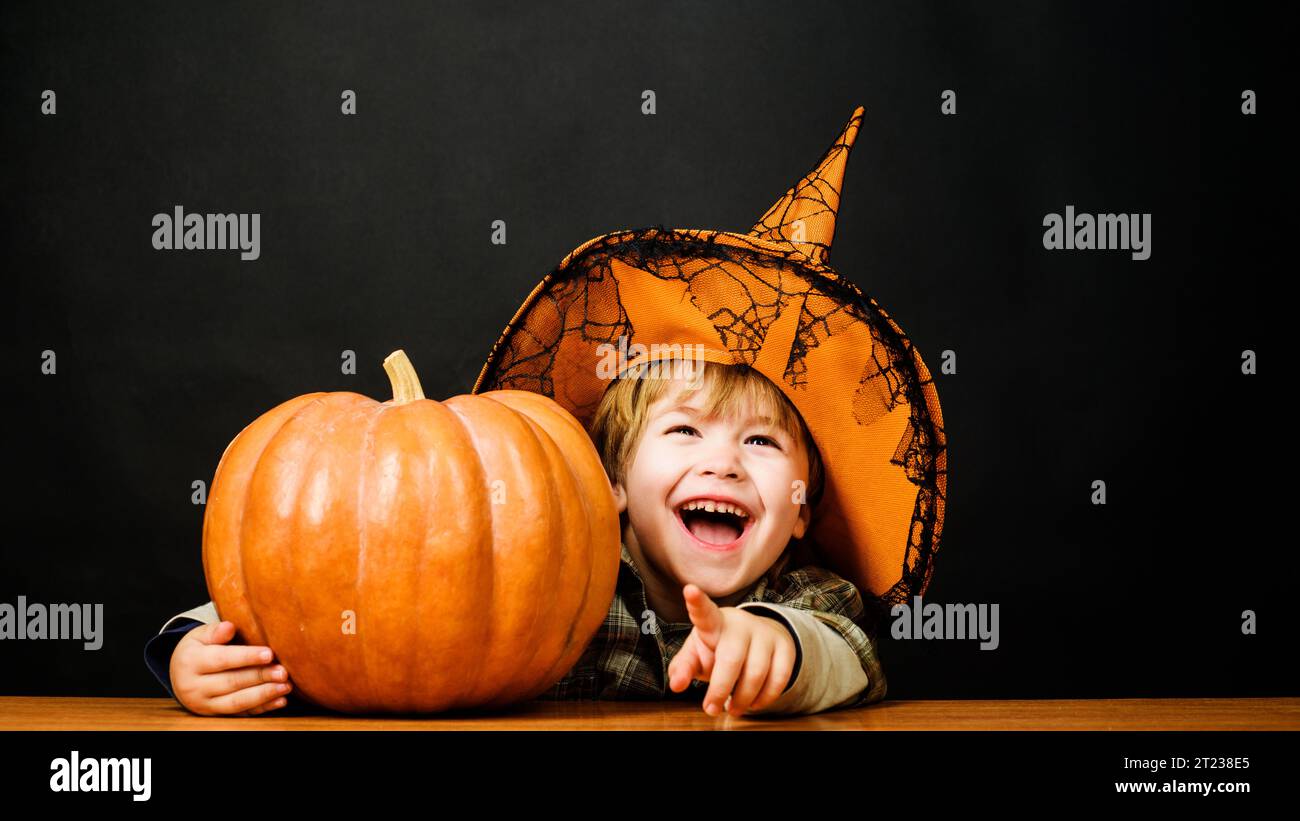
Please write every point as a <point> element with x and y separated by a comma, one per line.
<point>702,595</point>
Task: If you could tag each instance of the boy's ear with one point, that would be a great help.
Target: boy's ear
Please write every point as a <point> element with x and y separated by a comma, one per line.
<point>620,497</point>
<point>801,524</point>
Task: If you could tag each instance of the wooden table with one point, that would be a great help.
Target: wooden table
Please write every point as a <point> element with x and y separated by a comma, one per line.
<point>53,713</point>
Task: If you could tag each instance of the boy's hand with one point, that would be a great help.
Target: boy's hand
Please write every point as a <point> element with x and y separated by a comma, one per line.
<point>745,657</point>
<point>213,679</point>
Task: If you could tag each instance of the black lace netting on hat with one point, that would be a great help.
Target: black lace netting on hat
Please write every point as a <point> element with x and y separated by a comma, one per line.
<point>577,307</point>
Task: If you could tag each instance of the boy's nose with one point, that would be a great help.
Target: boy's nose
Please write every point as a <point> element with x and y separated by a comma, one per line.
<point>725,474</point>
<point>722,462</point>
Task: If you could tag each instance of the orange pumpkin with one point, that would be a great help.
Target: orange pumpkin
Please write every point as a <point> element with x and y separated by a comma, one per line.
<point>414,555</point>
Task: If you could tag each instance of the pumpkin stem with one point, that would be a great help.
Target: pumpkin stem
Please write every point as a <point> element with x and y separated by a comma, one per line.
<point>401,373</point>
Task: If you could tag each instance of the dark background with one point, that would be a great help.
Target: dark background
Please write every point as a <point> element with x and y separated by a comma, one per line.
<point>1072,366</point>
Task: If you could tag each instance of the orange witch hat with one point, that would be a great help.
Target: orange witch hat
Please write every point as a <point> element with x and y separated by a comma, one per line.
<point>769,299</point>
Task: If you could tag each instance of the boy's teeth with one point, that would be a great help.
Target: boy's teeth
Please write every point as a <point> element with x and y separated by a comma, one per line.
<point>713,507</point>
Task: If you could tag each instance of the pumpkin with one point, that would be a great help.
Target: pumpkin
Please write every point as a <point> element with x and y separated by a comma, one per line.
<point>414,555</point>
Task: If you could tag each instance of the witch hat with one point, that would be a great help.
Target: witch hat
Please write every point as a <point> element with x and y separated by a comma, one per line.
<point>769,299</point>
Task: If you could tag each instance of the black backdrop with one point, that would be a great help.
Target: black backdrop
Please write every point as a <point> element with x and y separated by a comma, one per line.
<point>376,235</point>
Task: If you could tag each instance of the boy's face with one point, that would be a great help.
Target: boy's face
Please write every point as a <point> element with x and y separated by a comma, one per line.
<point>682,456</point>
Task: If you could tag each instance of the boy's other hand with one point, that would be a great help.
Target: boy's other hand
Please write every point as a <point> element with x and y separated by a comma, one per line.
<point>212,678</point>
<point>746,659</point>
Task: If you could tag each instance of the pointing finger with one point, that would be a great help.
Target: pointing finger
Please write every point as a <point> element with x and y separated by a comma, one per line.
<point>704,614</point>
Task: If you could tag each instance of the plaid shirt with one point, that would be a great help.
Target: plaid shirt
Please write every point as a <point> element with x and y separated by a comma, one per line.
<point>628,657</point>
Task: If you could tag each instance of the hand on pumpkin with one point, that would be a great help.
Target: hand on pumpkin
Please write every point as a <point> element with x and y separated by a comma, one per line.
<point>213,679</point>
<point>746,659</point>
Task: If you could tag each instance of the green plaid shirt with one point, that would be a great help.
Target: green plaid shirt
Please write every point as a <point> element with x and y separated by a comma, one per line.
<point>629,655</point>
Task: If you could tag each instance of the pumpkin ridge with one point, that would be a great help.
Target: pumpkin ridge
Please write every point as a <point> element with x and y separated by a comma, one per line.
<point>547,448</point>
<point>261,636</point>
<point>408,677</point>
<point>590,539</point>
<point>301,416</point>
<point>594,540</point>
<point>468,432</point>
<point>291,556</point>
<point>573,619</point>
<point>554,456</point>
<point>367,457</point>
<point>534,403</point>
<point>466,680</point>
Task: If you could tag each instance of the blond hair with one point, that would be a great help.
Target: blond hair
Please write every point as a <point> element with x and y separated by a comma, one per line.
<point>623,413</point>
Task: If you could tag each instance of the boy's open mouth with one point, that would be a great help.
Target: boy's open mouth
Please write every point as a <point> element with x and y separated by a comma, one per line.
<point>719,529</point>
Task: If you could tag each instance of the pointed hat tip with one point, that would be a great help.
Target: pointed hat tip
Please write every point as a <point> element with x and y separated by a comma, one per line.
<point>815,197</point>
<point>851,130</point>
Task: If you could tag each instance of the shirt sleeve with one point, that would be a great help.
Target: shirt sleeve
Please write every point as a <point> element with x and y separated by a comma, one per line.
<point>158,650</point>
<point>204,614</point>
<point>839,664</point>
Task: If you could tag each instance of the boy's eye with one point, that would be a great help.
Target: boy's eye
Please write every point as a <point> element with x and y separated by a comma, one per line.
<point>767,439</point>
